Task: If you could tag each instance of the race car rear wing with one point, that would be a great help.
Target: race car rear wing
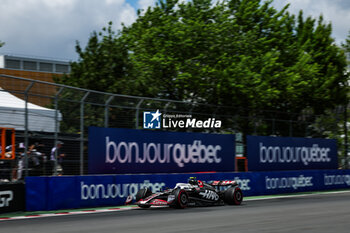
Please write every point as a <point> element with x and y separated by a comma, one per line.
<point>223,183</point>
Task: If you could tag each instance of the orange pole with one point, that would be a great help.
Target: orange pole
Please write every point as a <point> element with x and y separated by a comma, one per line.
<point>3,142</point>
<point>245,163</point>
<point>13,136</point>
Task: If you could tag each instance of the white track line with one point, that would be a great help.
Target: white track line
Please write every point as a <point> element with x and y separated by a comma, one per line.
<point>131,208</point>
<point>257,198</point>
<point>69,213</point>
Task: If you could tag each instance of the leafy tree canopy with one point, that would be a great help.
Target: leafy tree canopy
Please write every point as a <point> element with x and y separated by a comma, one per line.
<point>239,53</point>
<point>346,47</point>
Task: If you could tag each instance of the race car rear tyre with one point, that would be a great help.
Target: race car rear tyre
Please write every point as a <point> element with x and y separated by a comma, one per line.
<point>181,199</point>
<point>143,193</point>
<point>233,196</point>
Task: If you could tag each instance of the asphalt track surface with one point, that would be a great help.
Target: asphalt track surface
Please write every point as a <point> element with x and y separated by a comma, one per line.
<point>314,213</point>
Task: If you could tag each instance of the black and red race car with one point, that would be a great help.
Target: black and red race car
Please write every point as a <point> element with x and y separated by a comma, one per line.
<point>193,193</point>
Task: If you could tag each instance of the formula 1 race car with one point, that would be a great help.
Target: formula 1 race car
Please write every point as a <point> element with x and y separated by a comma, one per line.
<point>193,193</point>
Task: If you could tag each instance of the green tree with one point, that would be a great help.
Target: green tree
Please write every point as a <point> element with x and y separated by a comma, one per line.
<point>346,47</point>
<point>102,65</point>
<point>263,63</point>
<point>238,53</point>
<point>345,131</point>
<point>334,123</point>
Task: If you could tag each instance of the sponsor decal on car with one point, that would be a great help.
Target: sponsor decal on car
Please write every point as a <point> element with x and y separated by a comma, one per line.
<point>210,195</point>
<point>171,198</point>
<point>242,183</point>
<point>150,197</point>
<point>159,202</point>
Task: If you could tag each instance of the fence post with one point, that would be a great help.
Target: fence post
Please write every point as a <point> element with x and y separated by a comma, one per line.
<point>56,130</point>
<point>346,136</point>
<point>166,107</point>
<point>137,113</point>
<point>26,127</point>
<point>107,110</point>
<point>190,113</point>
<point>82,132</point>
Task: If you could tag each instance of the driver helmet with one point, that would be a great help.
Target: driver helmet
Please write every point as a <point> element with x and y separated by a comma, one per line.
<point>193,181</point>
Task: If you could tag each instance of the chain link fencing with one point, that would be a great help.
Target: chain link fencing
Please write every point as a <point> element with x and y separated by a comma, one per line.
<point>45,114</point>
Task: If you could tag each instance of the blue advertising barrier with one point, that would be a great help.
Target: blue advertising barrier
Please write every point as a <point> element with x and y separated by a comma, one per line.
<point>118,151</point>
<point>51,193</point>
<point>288,153</point>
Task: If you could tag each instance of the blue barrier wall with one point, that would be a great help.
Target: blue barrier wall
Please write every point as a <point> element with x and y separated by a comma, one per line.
<point>290,153</point>
<point>51,193</point>
<point>118,151</point>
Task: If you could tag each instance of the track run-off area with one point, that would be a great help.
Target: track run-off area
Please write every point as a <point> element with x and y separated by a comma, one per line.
<point>315,212</point>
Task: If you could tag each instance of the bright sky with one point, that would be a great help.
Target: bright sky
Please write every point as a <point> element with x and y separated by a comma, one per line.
<point>50,28</point>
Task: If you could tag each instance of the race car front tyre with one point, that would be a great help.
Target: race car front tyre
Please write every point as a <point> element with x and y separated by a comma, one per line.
<point>233,196</point>
<point>143,193</point>
<point>181,199</point>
